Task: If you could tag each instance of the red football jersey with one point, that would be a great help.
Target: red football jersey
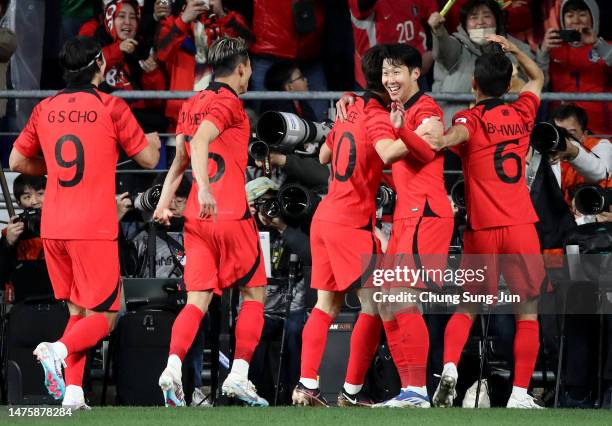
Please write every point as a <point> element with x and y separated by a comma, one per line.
<point>227,154</point>
<point>580,69</point>
<point>389,21</point>
<point>419,186</point>
<point>79,132</point>
<point>493,160</point>
<point>356,171</point>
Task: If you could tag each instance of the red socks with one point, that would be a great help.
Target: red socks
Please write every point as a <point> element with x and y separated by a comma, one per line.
<point>314,338</point>
<point>248,329</point>
<point>184,330</point>
<point>364,341</point>
<point>455,335</point>
<point>415,348</point>
<point>75,362</point>
<point>85,333</point>
<point>526,346</point>
<point>394,340</point>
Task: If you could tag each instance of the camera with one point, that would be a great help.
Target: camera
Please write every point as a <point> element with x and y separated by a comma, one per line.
<point>147,201</point>
<point>259,150</point>
<point>458,194</point>
<point>292,202</point>
<point>547,137</point>
<point>592,199</point>
<point>385,199</point>
<point>31,222</point>
<point>287,133</point>
<point>569,36</point>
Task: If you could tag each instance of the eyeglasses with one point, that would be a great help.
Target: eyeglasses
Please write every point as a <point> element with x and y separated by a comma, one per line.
<point>301,77</point>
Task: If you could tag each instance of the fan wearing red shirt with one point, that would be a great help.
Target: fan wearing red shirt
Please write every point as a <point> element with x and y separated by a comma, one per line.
<point>494,138</point>
<point>221,239</point>
<point>423,218</point>
<point>390,21</point>
<point>343,246</point>
<point>75,137</point>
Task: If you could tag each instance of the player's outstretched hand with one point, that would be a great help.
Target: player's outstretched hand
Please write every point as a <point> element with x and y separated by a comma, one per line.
<point>397,115</point>
<point>505,44</point>
<point>208,204</point>
<point>432,126</point>
<point>346,100</point>
<point>162,215</point>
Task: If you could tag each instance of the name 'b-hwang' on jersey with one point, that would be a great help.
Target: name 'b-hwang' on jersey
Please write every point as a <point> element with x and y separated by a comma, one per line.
<point>493,160</point>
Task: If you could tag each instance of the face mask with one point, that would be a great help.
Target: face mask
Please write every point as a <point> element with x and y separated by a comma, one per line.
<point>479,35</point>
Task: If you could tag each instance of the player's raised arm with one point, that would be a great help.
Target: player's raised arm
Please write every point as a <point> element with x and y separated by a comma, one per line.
<point>533,71</point>
<point>173,179</point>
<point>207,132</point>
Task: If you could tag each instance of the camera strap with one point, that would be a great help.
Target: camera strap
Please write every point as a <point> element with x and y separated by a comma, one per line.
<point>532,168</point>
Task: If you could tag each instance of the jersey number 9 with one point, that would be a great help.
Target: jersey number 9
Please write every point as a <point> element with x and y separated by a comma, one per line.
<point>78,161</point>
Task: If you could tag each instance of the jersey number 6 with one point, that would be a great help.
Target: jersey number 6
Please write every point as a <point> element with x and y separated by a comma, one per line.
<point>499,159</point>
<point>78,161</point>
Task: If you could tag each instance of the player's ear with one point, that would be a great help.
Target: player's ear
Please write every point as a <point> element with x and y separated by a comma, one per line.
<point>416,73</point>
<point>474,86</point>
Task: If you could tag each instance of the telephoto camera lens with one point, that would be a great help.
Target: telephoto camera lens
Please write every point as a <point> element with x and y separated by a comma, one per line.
<point>147,201</point>
<point>259,150</point>
<point>285,132</point>
<point>458,193</point>
<point>592,199</point>
<point>547,137</point>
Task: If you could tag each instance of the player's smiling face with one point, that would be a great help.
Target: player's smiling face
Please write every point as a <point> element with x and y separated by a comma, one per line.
<point>126,22</point>
<point>399,81</point>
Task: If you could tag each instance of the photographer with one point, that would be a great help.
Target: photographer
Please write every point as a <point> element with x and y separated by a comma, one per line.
<point>22,262</point>
<point>578,60</point>
<point>284,241</point>
<point>586,159</point>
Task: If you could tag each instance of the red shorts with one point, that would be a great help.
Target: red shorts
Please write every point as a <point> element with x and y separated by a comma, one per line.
<point>222,254</point>
<point>521,262</point>
<point>341,256</point>
<point>427,237</point>
<point>85,272</point>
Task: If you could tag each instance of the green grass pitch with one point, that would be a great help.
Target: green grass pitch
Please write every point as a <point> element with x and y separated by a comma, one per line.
<point>290,416</point>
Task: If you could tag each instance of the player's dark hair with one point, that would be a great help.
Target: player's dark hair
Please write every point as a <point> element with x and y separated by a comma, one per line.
<point>493,71</point>
<point>403,54</point>
<point>22,182</point>
<point>279,74</point>
<point>78,59</point>
<point>371,66</point>
<point>575,6</point>
<point>566,111</point>
<point>226,53</point>
<point>467,8</point>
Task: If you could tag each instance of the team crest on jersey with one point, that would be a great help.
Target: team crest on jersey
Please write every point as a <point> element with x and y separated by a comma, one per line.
<point>594,56</point>
<point>461,120</point>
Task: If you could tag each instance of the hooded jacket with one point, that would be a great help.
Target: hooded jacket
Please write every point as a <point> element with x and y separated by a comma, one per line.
<point>583,68</point>
<point>455,59</point>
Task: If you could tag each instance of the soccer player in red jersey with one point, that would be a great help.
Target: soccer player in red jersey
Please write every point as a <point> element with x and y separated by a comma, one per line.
<point>344,246</point>
<point>221,239</point>
<point>74,137</point>
<point>493,139</point>
<point>423,218</point>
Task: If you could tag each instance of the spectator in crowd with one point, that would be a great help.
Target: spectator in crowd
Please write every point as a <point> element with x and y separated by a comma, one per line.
<point>284,241</point>
<point>130,61</point>
<point>22,261</point>
<point>183,41</point>
<point>289,30</point>
<point>456,54</point>
<point>286,76</point>
<point>583,65</point>
<point>388,22</point>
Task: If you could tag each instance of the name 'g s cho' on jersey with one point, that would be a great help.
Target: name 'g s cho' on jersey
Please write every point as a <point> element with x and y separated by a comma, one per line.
<point>79,131</point>
<point>356,171</point>
<point>227,154</point>
<point>494,161</point>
